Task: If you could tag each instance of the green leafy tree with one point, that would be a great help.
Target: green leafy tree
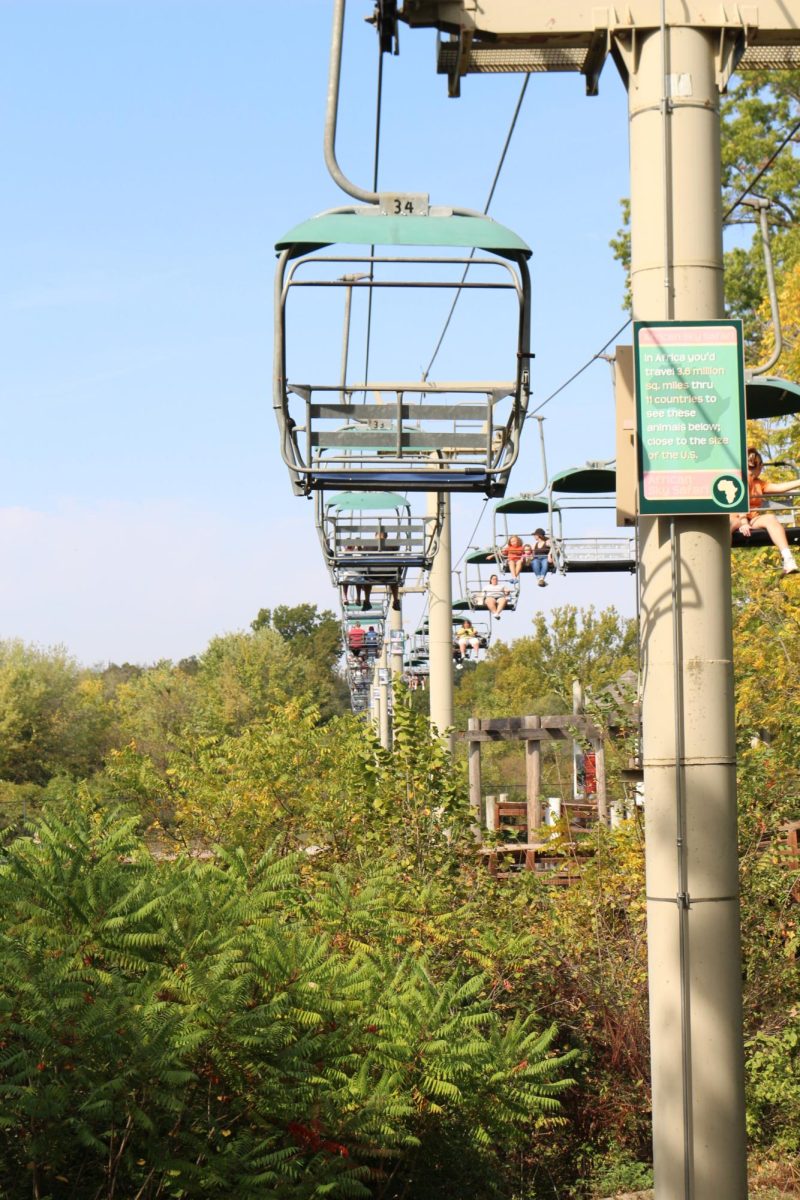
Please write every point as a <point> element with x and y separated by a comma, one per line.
<point>186,1028</point>
<point>53,717</point>
<point>316,638</point>
<point>758,112</point>
<point>535,674</point>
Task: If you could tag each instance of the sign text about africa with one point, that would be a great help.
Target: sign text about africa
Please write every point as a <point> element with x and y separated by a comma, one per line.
<point>690,417</point>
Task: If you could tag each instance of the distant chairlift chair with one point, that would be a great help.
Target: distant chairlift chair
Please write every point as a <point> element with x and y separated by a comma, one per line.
<point>479,566</point>
<point>371,538</point>
<point>589,488</point>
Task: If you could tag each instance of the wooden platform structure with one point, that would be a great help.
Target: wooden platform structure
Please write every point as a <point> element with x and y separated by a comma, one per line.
<point>534,732</point>
<point>785,845</point>
<point>526,848</point>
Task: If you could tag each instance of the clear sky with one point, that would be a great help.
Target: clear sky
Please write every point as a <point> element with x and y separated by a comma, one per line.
<point>154,151</point>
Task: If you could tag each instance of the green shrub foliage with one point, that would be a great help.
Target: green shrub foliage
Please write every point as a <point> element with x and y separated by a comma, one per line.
<point>224,1026</point>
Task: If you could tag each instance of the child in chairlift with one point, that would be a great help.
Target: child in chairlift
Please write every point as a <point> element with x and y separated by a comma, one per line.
<point>513,554</point>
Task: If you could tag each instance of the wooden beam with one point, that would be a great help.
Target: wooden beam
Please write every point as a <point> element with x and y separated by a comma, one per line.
<point>600,778</point>
<point>533,776</point>
<point>474,767</point>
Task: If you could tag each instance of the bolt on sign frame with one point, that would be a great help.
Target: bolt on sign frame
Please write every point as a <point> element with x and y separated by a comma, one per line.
<point>409,434</point>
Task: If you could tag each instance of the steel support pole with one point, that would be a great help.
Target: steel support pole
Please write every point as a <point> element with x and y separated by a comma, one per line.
<point>688,728</point>
<point>374,699</point>
<point>396,626</point>
<point>385,731</point>
<point>440,619</point>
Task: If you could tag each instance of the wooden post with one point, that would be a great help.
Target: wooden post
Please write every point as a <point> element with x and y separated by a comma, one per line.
<point>491,813</point>
<point>474,766</point>
<point>533,776</point>
<point>600,776</point>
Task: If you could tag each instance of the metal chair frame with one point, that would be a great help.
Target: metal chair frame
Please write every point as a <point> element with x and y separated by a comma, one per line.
<point>366,543</point>
<point>568,491</point>
<point>479,566</point>
<point>433,436</point>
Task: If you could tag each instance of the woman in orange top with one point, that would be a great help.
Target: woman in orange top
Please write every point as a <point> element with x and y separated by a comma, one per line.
<point>514,555</point>
<point>745,523</point>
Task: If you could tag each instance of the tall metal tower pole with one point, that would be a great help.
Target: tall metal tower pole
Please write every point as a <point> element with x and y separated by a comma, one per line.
<point>686,640</point>
<point>381,673</point>
<point>396,646</point>
<point>674,56</point>
<point>440,618</point>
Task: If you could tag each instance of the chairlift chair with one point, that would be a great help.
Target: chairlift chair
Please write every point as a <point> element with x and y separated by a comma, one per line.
<point>461,609</point>
<point>591,487</point>
<point>786,508</point>
<point>483,632</point>
<point>409,434</point>
<point>479,566</point>
<point>372,536</point>
<point>770,396</point>
<point>372,648</point>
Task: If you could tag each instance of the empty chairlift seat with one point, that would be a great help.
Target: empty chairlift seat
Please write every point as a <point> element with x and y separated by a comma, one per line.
<point>385,432</point>
<point>589,488</point>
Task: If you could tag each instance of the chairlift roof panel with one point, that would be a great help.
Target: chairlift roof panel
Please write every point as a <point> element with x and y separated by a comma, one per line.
<point>585,480</point>
<point>368,228</point>
<point>522,504</point>
<point>356,501</point>
<point>772,397</point>
<point>486,555</point>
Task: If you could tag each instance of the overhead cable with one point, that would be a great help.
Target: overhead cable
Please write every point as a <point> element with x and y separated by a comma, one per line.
<point>580,370</point>
<point>481,515</point>
<point>784,143</point>
<point>486,208</point>
<point>792,132</point>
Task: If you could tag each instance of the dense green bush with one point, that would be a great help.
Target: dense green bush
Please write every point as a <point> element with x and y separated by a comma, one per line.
<point>217,1028</point>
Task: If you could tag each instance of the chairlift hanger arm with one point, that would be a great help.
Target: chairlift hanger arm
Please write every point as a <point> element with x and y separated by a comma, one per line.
<point>762,205</point>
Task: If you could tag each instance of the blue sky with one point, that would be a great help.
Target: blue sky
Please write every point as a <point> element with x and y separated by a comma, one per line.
<point>154,152</point>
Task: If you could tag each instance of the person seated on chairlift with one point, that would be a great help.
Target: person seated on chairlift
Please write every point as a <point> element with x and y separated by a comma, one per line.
<point>391,581</point>
<point>745,523</point>
<point>467,637</point>
<point>371,642</point>
<point>495,596</point>
<point>514,555</point>
<point>351,579</point>
<point>356,636</point>
<point>542,556</point>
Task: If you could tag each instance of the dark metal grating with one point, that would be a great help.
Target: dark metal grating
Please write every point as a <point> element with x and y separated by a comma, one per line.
<point>770,58</point>
<point>535,59</point>
<point>500,60</point>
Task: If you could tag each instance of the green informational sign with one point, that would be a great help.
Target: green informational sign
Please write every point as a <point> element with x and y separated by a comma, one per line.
<point>690,417</point>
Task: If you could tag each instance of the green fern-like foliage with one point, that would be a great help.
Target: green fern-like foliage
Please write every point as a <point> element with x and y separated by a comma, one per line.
<point>231,1026</point>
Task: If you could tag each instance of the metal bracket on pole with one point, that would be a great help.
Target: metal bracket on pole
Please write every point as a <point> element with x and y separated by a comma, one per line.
<point>729,52</point>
